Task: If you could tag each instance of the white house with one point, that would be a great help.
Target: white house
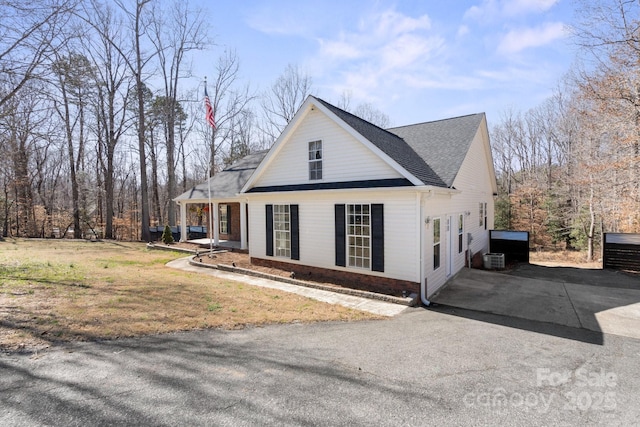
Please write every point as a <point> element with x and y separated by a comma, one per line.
<point>390,210</point>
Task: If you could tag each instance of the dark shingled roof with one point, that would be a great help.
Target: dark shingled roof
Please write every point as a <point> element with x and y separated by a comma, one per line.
<point>227,183</point>
<point>443,144</point>
<point>391,144</point>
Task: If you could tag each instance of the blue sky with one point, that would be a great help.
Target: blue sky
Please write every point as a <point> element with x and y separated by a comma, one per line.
<point>414,60</point>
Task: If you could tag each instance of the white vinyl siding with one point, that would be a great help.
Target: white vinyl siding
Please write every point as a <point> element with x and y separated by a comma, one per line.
<point>343,157</point>
<point>317,225</point>
<point>474,186</point>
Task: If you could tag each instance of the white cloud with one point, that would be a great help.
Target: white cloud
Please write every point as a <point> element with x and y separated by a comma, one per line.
<point>487,10</point>
<point>339,49</point>
<point>519,39</point>
<point>463,30</point>
<point>521,7</point>
<point>491,10</point>
<point>392,23</point>
<point>378,54</point>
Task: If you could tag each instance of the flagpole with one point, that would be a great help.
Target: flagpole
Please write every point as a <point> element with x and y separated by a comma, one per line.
<point>209,184</point>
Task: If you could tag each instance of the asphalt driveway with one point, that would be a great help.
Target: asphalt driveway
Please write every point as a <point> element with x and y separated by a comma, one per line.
<point>421,367</point>
<point>598,300</point>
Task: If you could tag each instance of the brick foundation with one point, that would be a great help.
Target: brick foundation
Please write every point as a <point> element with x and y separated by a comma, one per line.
<point>365,282</point>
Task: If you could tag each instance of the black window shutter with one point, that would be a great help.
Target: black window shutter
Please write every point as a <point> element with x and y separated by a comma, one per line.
<point>377,237</point>
<point>269,223</point>
<point>229,219</point>
<point>295,232</point>
<point>341,236</point>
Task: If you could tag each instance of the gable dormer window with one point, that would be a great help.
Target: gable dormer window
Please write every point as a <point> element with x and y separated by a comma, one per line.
<point>315,160</point>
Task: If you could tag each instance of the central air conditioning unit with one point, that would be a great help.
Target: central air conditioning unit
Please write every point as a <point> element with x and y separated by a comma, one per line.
<point>493,261</point>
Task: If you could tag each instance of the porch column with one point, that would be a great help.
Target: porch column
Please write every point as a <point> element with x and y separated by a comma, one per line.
<point>183,221</point>
<point>243,225</point>
<point>216,224</point>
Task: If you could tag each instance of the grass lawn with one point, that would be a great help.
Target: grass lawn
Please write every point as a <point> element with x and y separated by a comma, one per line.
<point>62,290</point>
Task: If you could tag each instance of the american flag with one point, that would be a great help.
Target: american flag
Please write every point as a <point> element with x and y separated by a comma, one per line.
<point>209,109</point>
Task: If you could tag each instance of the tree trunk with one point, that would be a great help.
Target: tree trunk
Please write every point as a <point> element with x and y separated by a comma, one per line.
<point>592,226</point>
<point>145,234</point>
<point>155,193</point>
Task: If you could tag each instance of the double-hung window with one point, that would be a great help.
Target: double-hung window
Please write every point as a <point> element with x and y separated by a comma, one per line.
<point>482,215</point>
<point>315,160</point>
<point>485,216</point>
<point>436,243</point>
<point>282,230</point>
<point>359,235</point>
<point>224,220</point>
<point>460,229</point>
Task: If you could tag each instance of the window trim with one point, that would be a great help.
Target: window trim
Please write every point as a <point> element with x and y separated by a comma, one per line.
<point>315,172</point>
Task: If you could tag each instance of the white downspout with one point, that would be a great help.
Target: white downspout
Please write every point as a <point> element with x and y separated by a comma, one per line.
<point>423,267</point>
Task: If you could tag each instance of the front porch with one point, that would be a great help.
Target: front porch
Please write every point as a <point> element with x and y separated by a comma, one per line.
<point>226,210</point>
<point>229,224</point>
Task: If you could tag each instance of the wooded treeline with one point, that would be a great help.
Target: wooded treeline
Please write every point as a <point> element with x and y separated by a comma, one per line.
<point>569,169</point>
<point>101,124</point>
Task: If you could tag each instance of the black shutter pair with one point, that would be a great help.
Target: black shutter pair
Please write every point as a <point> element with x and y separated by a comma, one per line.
<point>377,236</point>
<point>295,230</point>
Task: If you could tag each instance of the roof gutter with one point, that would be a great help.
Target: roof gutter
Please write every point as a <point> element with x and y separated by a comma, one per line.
<point>433,190</point>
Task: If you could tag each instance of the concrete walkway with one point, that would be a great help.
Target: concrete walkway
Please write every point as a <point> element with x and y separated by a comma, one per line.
<point>605,308</point>
<point>358,303</point>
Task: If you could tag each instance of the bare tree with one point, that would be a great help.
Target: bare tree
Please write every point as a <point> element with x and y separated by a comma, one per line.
<point>137,61</point>
<point>175,31</point>
<point>230,102</point>
<point>364,110</point>
<point>371,114</point>
<point>607,32</point>
<point>29,34</point>
<point>113,84</point>
<point>72,73</point>
<point>283,100</point>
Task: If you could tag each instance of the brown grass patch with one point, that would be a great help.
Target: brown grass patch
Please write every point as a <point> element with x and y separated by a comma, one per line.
<point>62,290</point>
<point>562,258</point>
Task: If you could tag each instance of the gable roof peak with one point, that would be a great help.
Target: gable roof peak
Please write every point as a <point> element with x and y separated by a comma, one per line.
<point>389,143</point>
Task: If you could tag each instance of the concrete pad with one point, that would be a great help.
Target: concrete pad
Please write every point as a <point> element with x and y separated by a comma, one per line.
<point>597,308</point>
<point>382,308</point>
<point>610,310</point>
<point>502,294</point>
